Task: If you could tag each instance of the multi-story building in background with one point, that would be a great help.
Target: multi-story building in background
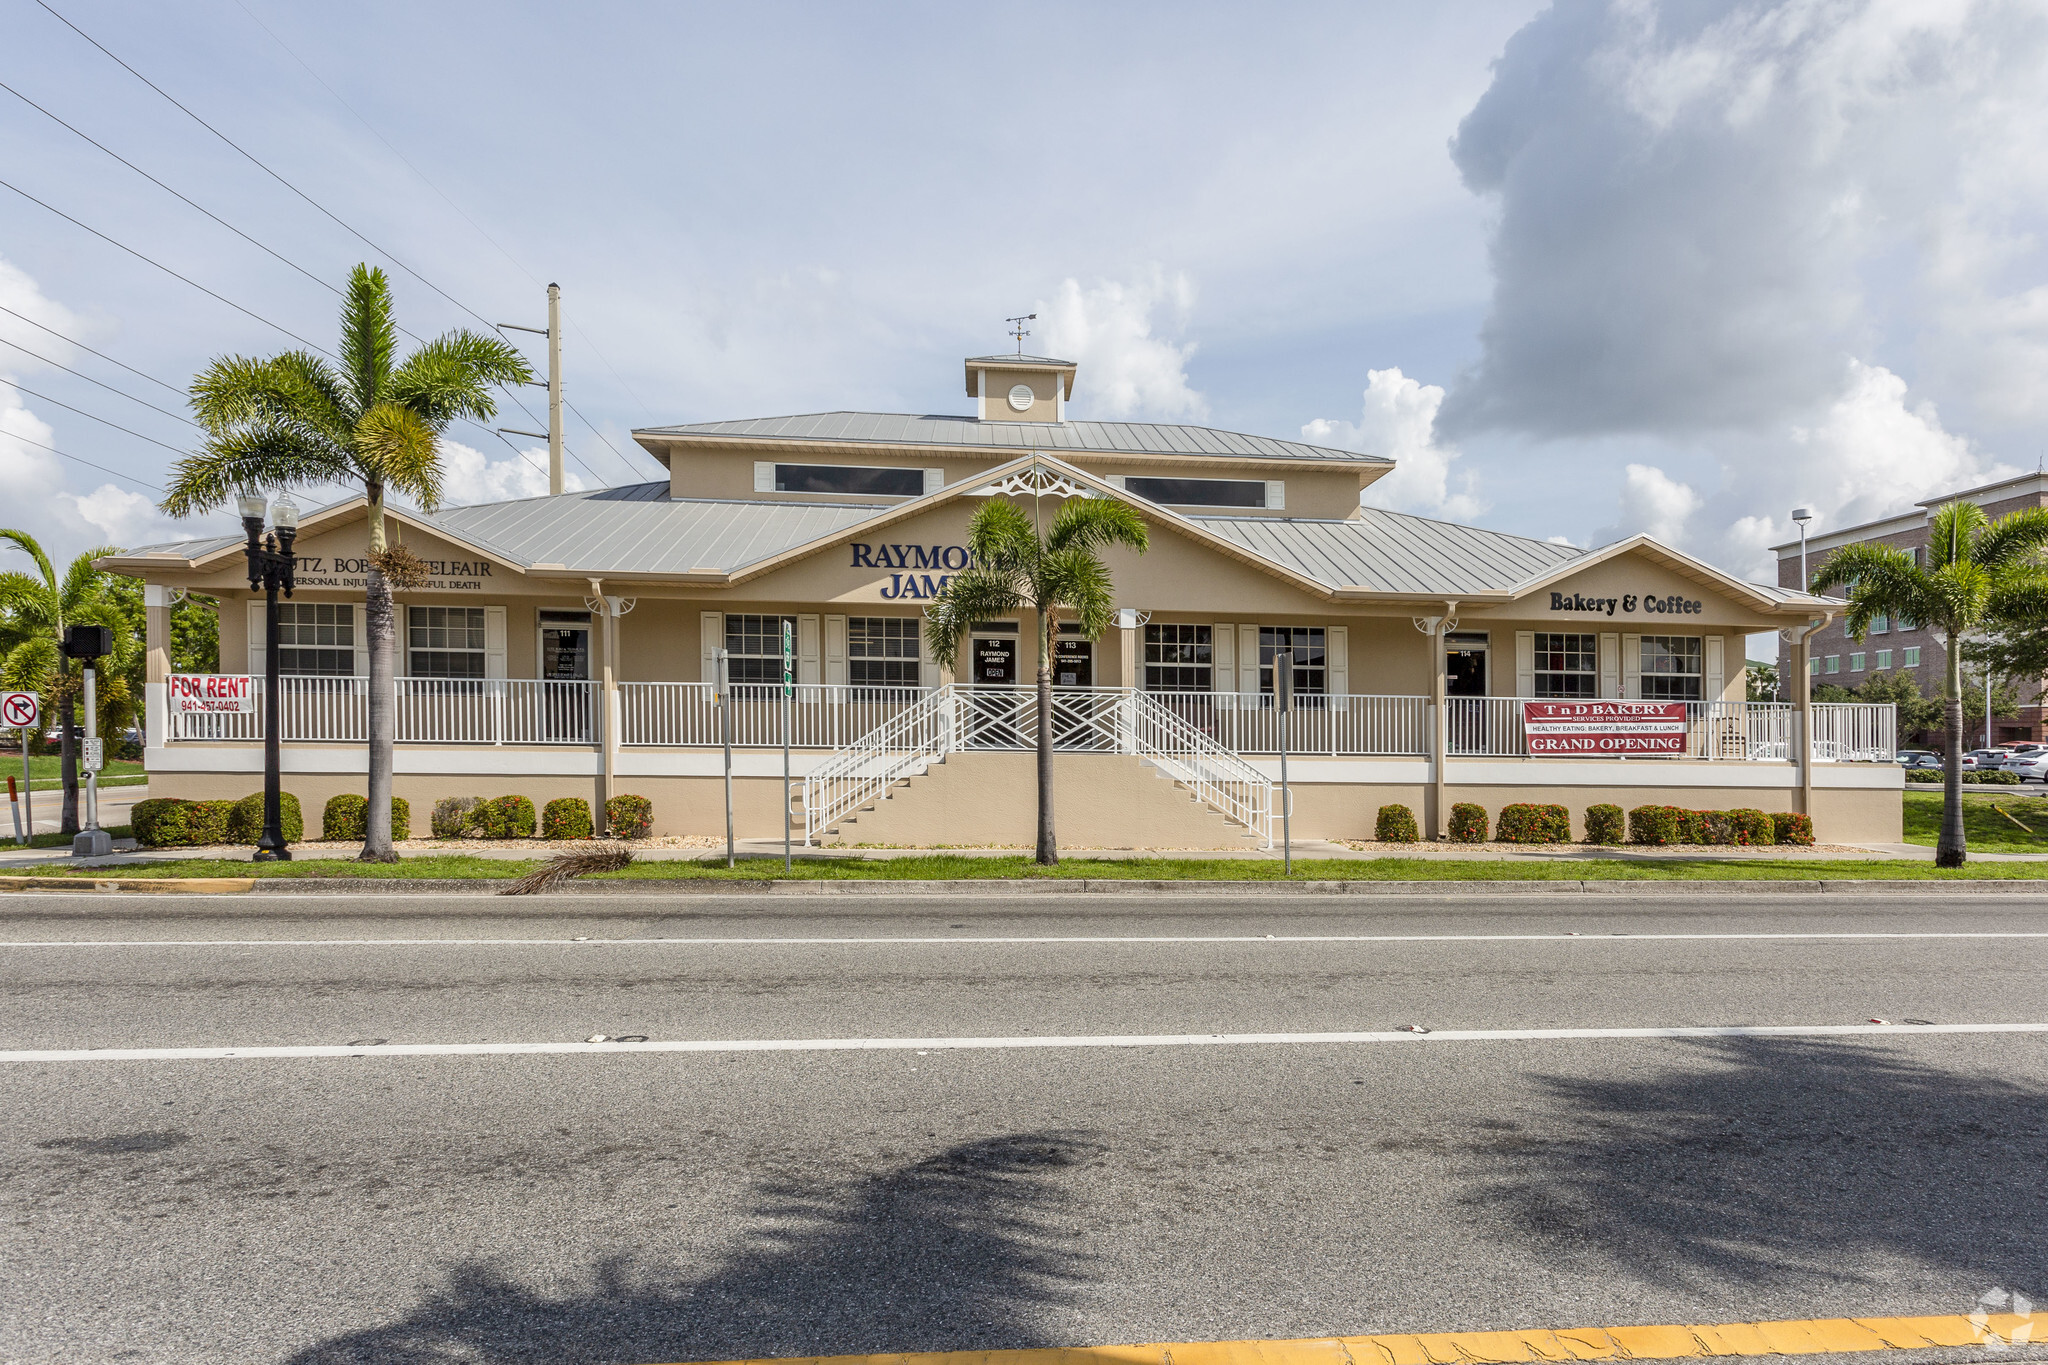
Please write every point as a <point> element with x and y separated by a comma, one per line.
<point>1907,646</point>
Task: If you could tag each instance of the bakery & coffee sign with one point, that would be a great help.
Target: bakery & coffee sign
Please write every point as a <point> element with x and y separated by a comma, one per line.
<point>1672,605</point>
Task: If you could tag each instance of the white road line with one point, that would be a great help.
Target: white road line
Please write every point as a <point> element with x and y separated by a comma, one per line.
<point>203,1054</point>
<point>1590,936</point>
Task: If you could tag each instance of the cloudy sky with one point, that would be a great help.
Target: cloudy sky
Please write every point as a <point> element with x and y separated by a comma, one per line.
<point>1585,269</point>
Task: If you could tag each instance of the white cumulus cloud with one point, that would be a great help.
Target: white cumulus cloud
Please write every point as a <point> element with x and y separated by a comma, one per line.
<point>1654,504</point>
<point>1126,337</point>
<point>1397,420</point>
<point>470,476</point>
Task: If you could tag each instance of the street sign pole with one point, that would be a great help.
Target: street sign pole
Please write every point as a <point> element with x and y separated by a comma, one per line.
<point>28,791</point>
<point>1283,697</point>
<point>788,716</point>
<point>21,711</point>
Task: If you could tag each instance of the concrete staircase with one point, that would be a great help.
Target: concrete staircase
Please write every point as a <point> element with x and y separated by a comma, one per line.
<point>989,798</point>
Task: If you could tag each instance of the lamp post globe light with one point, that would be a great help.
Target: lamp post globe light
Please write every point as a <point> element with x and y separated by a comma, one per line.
<point>271,567</point>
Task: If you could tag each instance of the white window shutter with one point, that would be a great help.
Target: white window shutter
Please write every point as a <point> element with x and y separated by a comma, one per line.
<point>711,639</point>
<point>927,666</point>
<point>1276,494</point>
<point>1114,480</point>
<point>934,480</point>
<point>1248,660</point>
<point>1717,668</point>
<point>1223,659</point>
<point>494,642</point>
<point>1337,662</point>
<point>1610,665</point>
<point>806,649</point>
<point>764,476</point>
<point>835,651</point>
<point>256,637</point>
<point>1525,663</point>
<point>1632,666</point>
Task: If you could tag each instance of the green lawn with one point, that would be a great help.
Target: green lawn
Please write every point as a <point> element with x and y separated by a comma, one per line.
<point>48,772</point>
<point>947,868</point>
<point>1984,827</point>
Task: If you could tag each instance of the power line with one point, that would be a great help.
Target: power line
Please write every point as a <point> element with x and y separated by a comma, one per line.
<point>515,449</point>
<point>631,472</point>
<point>90,380</point>
<point>90,351</point>
<point>167,189</point>
<point>166,269</point>
<point>101,420</point>
<point>501,250</point>
<point>75,460</point>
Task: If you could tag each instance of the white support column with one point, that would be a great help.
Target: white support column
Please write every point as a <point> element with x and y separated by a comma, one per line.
<point>156,610</point>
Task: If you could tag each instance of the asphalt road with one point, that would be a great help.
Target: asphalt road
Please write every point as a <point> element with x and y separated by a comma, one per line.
<point>636,1206</point>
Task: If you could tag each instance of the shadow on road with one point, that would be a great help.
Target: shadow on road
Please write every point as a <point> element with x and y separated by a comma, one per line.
<point>1773,1157</point>
<point>949,1252</point>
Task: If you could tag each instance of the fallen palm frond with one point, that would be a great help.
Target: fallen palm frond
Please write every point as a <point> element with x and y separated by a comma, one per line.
<point>2014,818</point>
<point>577,862</point>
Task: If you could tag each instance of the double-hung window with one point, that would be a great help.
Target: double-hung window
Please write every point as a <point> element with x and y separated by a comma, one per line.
<point>1178,658</point>
<point>1880,624</point>
<point>316,639</point>
<point>445,642</point>
<point>1674,667</point>
<point>1834,663</point>
<point>1310,666</point>
<point>753,646</point>
<point>1912,653</point>
<point>881,651</point>
<point>1884,658</point>
<point>1567,665</point>
<point>1856,662</point>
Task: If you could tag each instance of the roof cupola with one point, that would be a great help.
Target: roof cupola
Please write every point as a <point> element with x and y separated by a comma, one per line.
<point>1020,388</point>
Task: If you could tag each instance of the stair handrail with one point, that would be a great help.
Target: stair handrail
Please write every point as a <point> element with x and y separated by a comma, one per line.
<point>859,772</point>
<point>1218,776</point>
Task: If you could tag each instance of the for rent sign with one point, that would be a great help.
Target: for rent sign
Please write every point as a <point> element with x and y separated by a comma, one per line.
<point>1604,727</point>
<point>212,692</point>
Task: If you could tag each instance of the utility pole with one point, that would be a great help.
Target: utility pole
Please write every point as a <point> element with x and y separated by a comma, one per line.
<point>554,389</point>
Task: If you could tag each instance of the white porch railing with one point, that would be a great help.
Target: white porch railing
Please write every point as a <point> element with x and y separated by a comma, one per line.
<point>685,715</point>
<point>902,746</point>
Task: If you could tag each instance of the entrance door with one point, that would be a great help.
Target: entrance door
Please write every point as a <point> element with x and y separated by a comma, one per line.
<point>1080,717</point>
<point>565,704</point>
<point>1471,721</point>
<point>1073,663</point>
<point>992,702</point>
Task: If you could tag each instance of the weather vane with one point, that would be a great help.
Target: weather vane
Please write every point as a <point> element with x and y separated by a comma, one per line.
<point>1018,331</point>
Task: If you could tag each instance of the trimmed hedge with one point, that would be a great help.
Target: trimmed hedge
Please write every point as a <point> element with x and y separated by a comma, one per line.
<point>628,817</point>
<point>1526,823</point>
<point>504,817</point>
<point>451,814</point>
<point>1792,827</point>
<point>172,822</point>
<point>566,817</point>
<point>1996,777</point>
<point>346,818</point>
<point>1468,823</point>
<point>1605,825</point>
<point>1396,825</point>
<point>245,824</point>
<point>1656,825</point>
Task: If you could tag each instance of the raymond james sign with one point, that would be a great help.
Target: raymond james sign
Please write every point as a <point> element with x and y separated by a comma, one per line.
<point>1671,605</point>
<point>948,559</point>
<point>1604,727</point>
<point>351,571</point>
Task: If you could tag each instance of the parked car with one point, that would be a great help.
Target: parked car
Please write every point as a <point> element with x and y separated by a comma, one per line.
<point>1919,758</point>
<point>2031,767</point>
<point>1988,760</point>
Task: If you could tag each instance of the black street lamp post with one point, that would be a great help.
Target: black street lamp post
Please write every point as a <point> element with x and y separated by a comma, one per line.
<point>271,566</point>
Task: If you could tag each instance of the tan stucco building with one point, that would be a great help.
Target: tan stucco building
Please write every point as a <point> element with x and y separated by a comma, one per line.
<point>565,645</point>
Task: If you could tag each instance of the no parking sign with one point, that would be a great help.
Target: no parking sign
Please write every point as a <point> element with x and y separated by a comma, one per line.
<point>19,710</point>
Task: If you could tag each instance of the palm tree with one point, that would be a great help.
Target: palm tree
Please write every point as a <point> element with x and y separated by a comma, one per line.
<point>39,607</point>
<point>294,419</point>
<point>1978,574</point>
<point>1015,569</point>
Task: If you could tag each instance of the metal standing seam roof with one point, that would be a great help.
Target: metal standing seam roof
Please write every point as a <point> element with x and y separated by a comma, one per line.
<point>1392,552</point>
<point>940,429</point>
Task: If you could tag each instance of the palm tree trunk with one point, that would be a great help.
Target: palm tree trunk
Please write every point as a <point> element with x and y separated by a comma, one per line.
<point>1951,850</point>
<point>1048,845</point>
<point>383,636</point>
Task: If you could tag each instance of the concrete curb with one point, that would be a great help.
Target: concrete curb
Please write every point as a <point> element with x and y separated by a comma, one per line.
<point>329,888</point>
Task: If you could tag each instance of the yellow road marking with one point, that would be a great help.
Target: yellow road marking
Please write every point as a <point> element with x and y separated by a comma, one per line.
<point>1812,1336</point>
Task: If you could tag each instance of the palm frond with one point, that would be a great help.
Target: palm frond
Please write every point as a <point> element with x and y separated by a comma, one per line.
<point>30,546</point>
<point>254,459</point>
<point>369,335</point>
<point>2014,539</point>
<point>1073,578</point>
<point>974,596</point>
<point>29,600</point>
<point>1952,533</point>
<point>83,583</point>
<point>1095,524</point>
<point>293,387</point>
<point>403,450</point>
<point>1002,537</point>
<point>452,376</point>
